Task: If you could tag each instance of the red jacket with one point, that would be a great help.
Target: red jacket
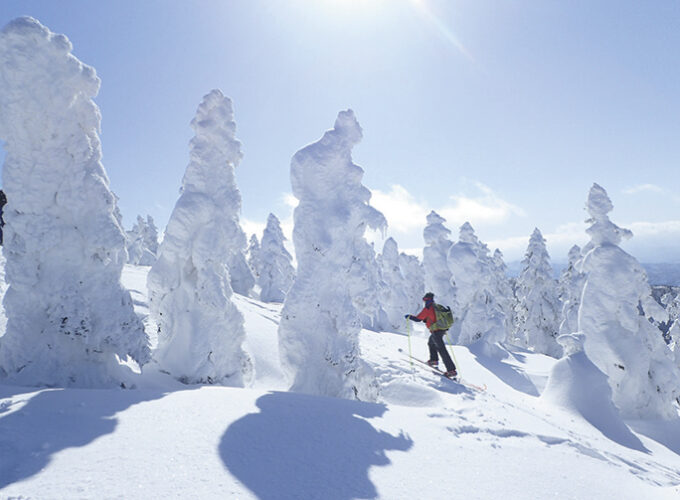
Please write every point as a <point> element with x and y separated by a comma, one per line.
<point>428,315</point>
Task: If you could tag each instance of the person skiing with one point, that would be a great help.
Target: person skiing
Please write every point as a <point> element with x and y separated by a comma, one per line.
<point>436,340</point>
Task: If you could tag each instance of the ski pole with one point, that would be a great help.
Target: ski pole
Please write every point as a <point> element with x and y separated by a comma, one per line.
<point>408,331</point>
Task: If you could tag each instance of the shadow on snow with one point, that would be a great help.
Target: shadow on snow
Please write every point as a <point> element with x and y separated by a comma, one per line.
<point>665,432</point>
<point>301,446</point>
<point>506,372</point>
<point>53,420</point>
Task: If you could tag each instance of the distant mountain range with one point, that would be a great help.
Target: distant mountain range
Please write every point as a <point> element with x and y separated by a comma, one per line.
<point>663,273</point>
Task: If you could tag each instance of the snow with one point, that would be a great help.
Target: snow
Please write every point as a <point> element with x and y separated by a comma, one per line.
<point>336,271</point>
<point>200,329</point>
<point>214,415</point>
<point>537,309</point>
<point>425,434</point>
<point>68,318</point>
<point>477,305</point>
<point>436,271</point>
<point>616,305</point>
<point>275,269</point>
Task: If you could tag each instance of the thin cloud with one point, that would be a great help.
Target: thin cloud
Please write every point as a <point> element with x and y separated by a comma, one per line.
<point>485,207</point>
<point>405,213</point>
<point>642,188</point>
<point>401,209</point>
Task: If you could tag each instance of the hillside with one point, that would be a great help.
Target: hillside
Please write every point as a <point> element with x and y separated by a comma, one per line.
<point>428,437</point>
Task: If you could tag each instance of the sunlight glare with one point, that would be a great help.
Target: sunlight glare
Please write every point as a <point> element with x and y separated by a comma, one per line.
<point>423,8</point>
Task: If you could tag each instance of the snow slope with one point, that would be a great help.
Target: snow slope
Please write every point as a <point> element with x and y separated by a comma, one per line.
<point>426,438</point>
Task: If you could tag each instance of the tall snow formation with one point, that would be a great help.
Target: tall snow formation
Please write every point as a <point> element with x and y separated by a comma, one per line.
<point>395,294</point>
<point>320,324</point>
<point>253,256</point>
<point>414,281</point>
<point>276,270</point>
<point>615,312</point>
<point>537,311</point>
<point>569,292</point>
<point>480,315</point>
<point>437,273</point>
<point>200,330</point>
<point>142,242</point>
<point>69,319</point>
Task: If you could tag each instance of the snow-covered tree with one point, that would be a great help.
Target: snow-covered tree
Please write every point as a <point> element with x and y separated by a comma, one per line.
<point>394,295</point>
<point>365,286</point>
<point>674,335</point>
<point>253,256</point>
<point>69,319</point>
<point>537,311</point>
<point>414,281</point>
<point>480,316</point>
<point>241,277</point>
<point>318,334</point>
<point>200,329</point>
<point>615,312</point>
<point>276,270</point>
<point>142,242</point>
<point>672,304</point>
<point>437,272</point>
<point>569,288</point>
<point>477,301</point>
<point>503,290</point>
<point>150,235</point>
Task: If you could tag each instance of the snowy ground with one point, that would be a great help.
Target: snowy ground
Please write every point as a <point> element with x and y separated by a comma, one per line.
<point>428,438</point>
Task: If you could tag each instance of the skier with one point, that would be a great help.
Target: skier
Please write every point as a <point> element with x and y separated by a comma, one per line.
<point>436,340</point>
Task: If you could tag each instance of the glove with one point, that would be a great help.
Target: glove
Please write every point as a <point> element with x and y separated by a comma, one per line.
<point>407,316</point>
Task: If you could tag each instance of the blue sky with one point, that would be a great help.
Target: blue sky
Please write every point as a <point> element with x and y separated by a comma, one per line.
<point>502,113</point>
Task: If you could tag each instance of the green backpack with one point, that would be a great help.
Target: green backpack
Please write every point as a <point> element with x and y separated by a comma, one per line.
<point>444,317</point>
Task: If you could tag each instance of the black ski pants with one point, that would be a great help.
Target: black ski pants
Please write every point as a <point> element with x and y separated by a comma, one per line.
<point>437,346</point>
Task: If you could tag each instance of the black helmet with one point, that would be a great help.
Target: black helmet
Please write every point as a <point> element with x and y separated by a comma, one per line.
<point>428,296</point>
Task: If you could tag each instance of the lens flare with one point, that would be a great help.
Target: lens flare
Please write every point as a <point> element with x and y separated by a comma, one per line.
<point>424,10</point>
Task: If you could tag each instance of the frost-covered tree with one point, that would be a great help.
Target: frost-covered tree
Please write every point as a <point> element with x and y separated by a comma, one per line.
<point>253,256</point>
<point>674,335</point>
<point>365,286</point>
<point>200,330</point>
<point>569,288</point>
<point>394,295</point>
<point>537,311</point>
<point>437,272</point>
<point>150,235</point>
<point>142,242</point>
<point>276,270</point>
<point>504,291</point>
<point>615,312</point>
<point>480,316</point>
<point>672,304</point>
<point>69,319</point>
<point>414,281</point>
<point>241,277</point>
<point>320,324</point>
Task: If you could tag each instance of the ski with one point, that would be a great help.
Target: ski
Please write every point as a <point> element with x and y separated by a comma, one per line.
<point>437,371</point>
